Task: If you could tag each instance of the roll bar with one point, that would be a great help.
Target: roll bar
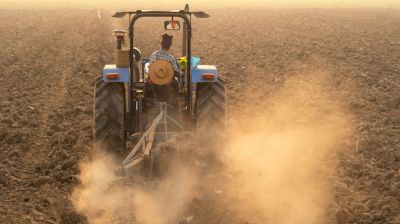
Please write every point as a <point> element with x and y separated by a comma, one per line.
<point>188,27</point>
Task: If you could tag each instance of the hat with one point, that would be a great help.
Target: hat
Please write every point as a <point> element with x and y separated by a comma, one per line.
<point>161,72</point>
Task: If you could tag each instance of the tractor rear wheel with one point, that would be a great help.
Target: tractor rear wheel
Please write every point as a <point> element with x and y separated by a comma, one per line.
<point>109,118</point>
<point>211,115</point>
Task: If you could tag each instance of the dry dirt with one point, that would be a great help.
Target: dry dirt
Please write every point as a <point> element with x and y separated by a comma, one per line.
<point>50,60</point>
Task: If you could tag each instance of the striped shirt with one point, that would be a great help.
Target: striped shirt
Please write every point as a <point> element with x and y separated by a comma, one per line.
<point>162,54</point>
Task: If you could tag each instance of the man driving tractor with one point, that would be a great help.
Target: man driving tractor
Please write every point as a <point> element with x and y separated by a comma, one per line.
<point>163,54</point>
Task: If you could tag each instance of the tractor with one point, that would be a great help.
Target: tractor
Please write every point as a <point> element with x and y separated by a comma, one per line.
<point>140,108</point>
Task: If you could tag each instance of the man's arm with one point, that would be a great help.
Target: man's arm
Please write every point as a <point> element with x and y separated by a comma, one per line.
<point>175,64</point>
<point>153,57</point>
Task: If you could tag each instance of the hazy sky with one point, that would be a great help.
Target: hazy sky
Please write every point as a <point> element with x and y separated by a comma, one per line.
<point>195,4</point>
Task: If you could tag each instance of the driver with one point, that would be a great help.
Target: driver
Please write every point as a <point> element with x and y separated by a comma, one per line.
<point>163,54</point>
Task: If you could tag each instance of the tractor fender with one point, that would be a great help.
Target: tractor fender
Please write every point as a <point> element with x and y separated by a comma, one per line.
<point>204,73</point>
<point>111,73</point>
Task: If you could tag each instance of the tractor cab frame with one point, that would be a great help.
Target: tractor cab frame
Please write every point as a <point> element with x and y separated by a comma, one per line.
<point>186,16</point>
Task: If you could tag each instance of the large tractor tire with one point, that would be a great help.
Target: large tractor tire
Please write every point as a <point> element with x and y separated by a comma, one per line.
<point>211,115</point>
<point>109,118</point>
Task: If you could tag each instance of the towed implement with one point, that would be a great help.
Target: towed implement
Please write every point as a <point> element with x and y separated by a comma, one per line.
<point>141,107</point>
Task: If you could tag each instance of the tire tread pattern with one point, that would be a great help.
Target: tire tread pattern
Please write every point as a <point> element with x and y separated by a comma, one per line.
<point>109,117</point>
<point>211,114</point>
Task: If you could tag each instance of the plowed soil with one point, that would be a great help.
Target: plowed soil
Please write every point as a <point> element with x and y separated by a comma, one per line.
<point>50,60</point>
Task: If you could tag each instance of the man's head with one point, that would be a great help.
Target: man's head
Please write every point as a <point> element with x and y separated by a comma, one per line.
<point>166,41</point>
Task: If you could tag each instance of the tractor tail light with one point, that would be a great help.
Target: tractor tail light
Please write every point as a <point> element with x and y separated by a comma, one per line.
<point>208,76</point>
<point>112,76</point>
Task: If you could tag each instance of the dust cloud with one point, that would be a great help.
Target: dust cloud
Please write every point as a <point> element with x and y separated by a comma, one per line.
<point>278,168</point>
<point>282,161</point>
<point>104,198</point>
<point>95,197</point>
<point>167,201</point>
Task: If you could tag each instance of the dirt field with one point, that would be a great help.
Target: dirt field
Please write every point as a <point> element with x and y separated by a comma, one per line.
<point>50,60</point>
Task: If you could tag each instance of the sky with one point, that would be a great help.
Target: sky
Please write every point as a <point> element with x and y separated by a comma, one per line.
<point>198,4</point>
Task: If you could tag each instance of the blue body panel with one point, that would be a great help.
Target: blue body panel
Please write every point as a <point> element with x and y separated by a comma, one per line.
<point>199,70</point>
<point>124,75</point>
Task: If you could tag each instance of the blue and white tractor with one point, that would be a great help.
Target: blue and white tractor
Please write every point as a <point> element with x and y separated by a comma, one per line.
<point>140,107</point>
